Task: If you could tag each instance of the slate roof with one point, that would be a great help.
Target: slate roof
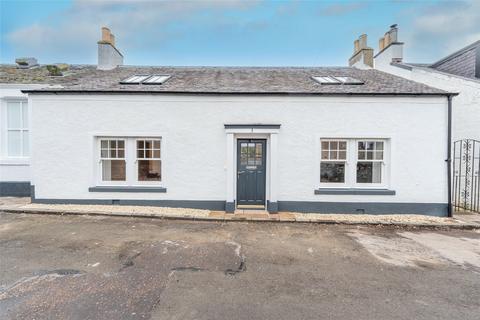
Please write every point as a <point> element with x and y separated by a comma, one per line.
<point>9,73</point>
<point>464,63</point>
<point>223,80</point>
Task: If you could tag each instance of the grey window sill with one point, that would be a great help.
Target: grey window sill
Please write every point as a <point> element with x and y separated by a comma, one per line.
<point>385,192</point>
<point>127,189</point>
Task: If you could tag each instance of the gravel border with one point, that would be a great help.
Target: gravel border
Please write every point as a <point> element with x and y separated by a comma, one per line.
<point>406,220</point>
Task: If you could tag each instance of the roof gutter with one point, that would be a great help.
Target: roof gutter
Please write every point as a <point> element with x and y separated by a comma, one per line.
<point>405,94</point>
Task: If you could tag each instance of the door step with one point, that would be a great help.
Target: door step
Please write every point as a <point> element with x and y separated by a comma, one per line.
<point>251,207</point>
<point>251,212</point>
<point>251,215</point>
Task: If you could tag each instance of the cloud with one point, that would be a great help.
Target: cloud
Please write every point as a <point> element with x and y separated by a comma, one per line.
<point>288,8</point>
<point>443,28</point>
<point>140,24</point>
<point>341,9</point>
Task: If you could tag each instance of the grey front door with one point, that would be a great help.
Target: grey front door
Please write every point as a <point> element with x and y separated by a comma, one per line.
<point>251,171</point>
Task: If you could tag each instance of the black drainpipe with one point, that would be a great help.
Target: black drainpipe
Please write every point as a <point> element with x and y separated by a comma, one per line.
<point>449,156</point>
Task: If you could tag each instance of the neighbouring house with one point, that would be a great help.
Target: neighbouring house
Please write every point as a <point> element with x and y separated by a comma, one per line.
<point>15,172</point>
<point>313,139</point>
<point>458,72</point>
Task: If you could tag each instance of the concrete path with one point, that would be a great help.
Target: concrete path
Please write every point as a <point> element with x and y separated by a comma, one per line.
<point>101,267</point>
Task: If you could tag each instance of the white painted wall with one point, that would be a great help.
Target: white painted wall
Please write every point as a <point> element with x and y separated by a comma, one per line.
<point>194,141</point>
<point>392,52</point>
<point>466,106</point>
<point>360,65</point>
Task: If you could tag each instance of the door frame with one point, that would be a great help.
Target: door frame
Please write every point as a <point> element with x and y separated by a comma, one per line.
<point>254,131</point>
<point>265,166</point>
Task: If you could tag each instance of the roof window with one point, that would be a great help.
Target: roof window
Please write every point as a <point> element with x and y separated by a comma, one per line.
<point>336,80</point>
<point>145,79</point>
<point>156,79</point>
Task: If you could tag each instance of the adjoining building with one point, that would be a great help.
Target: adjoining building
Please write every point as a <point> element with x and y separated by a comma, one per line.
<point>458,72</point>
<point>15,116</point>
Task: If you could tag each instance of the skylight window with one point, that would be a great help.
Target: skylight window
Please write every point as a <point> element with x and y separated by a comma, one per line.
<point>136,79</point>
<point>336,80</point>
<point>145,79</point>
<point>326,80</point>
<point>156,79</point>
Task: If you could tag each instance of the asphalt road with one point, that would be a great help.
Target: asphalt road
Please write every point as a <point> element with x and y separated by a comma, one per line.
<point>71,267</point>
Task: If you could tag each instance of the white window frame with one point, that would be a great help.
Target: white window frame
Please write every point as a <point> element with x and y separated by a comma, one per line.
<point>131,165</point>
<point>351,165</point>
<point>335,184</point>
<point>100,180</point>
<point>23,129</point>
<point>147,183</point>
<point>383,162</point>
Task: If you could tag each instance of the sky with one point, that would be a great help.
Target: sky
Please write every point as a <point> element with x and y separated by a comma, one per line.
<point>231,32</point>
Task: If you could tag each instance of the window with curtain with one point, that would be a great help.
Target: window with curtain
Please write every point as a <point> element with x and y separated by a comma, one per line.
<point>148,160</point>
<point>129,161</point>
<point>334,158</point>
<point>369,161</point>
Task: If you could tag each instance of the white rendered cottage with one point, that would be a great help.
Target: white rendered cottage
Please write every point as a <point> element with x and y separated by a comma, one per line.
<point>333,140</point>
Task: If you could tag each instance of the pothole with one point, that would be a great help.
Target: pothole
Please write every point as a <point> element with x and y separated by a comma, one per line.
<point>60,272</point>
<point>193,269</point>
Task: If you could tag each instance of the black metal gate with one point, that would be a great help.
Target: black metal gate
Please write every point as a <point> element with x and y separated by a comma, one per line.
<point>466,175</point>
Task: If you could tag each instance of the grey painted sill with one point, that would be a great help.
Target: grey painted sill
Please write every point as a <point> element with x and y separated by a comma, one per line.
<point>127,189</point>
<point>385,192</point>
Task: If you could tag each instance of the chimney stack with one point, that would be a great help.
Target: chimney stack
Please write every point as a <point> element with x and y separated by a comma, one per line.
<point>362,57</point>
<point>386,40</point>
<point>356,46</point>
<point>389,49</point>
<point>108,55</point>
<point>106,34</point>
<point>390,37</point>
<point>112,40</point>
<point>381,44</point>
<point>363,41</point>
<point>393,33</point>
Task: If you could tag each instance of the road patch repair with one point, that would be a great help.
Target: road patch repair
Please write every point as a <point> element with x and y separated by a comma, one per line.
<point>13,205</point>
<point>421,249</point>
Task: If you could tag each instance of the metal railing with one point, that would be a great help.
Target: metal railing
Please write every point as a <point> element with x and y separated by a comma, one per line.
<point>466,175</point>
